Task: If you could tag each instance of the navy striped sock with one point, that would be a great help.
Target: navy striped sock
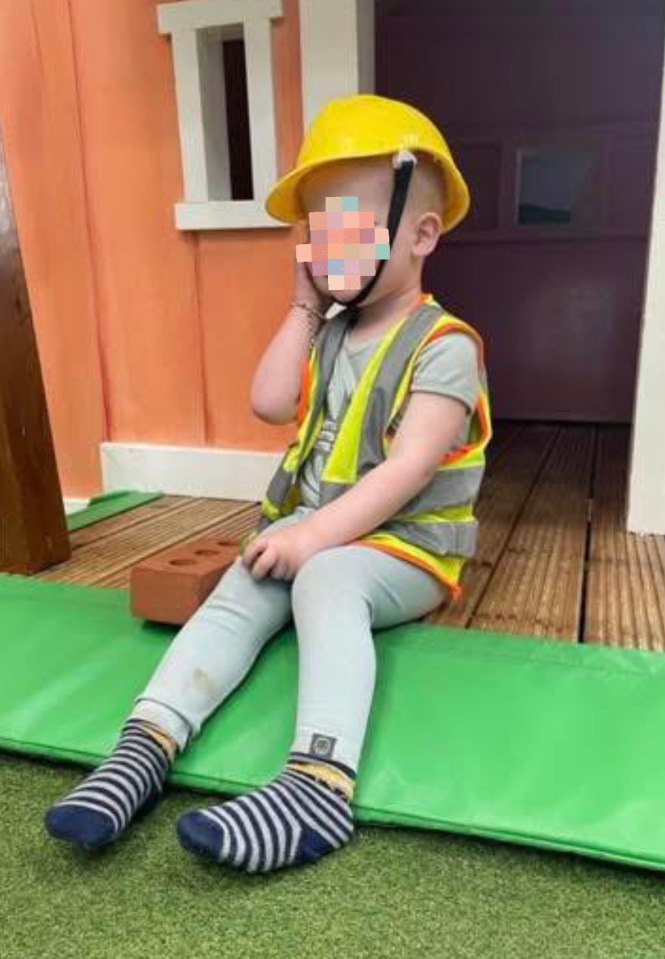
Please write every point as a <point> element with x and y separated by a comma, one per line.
<point>295,819</point>
<point>103,805</point>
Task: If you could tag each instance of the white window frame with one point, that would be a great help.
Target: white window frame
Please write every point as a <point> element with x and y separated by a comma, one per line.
<point>337,59</point>
<point>197,28</point>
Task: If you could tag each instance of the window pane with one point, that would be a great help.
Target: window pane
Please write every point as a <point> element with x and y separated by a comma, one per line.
<point>237,118</point>
<point>555,185</point>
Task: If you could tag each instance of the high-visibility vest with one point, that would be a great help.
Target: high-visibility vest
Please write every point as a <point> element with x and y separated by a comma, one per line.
<point>436,529</point>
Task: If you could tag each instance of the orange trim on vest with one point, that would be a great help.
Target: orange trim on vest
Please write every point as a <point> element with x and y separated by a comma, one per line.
<point>455,589</point>
<point>464,328</point>
<point>462,451</point>
<point>305,384</point>
<point>481,410</point>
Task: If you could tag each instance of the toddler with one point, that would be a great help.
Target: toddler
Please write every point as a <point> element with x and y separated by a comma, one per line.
<point>367,522</point>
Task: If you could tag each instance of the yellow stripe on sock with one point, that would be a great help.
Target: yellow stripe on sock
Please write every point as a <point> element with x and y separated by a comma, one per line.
<point>332,777</point>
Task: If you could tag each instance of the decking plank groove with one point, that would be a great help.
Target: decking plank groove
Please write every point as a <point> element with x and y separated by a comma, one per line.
<point>625,603</point>
<point>536,587</point>
<point>122,547</point>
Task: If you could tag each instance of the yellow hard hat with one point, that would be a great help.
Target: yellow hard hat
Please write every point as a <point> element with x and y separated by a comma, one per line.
<point>368,126</point>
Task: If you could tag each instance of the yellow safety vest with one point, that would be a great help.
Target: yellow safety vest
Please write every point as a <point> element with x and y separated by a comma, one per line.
<point>436,529</point>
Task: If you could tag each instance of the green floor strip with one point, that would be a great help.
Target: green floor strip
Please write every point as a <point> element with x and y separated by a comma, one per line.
<point>108,504</point>
<point>533,742</point>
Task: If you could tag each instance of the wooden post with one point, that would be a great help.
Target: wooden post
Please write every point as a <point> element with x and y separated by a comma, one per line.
<point>33,527</point>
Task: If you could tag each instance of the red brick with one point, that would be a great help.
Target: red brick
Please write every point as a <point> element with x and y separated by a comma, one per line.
<point>170,586</point>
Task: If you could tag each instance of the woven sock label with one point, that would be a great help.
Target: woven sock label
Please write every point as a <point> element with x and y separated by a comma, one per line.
<point>322,746</point>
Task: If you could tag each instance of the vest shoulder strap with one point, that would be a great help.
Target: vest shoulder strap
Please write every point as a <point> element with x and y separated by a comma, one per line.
<point>447,323</point>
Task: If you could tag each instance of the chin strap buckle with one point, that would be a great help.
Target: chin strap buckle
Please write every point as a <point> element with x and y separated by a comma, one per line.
<point>402,157</point>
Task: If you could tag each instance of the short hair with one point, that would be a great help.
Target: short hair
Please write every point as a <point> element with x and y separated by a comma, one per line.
<point>427,193</point>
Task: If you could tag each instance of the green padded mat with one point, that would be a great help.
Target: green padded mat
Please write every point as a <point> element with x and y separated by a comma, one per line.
<point>108,504</point>
<point>544,743</point>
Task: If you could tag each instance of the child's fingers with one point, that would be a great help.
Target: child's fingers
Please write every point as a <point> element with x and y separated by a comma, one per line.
<point>280,570</point>
<point>265,562</point>
<point>245,540</point>
<point>254,549</point>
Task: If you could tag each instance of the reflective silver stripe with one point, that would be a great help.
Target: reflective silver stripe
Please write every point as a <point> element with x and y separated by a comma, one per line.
<point>328,345</point>
<point>452,487</point>
<point>279,486</point>
<point>446,488</point>
<point>330,491</point>
<point>392,369</point>
<point>454,539</point>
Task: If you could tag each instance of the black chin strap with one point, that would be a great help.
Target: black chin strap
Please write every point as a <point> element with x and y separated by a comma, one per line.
<point>402,178</point>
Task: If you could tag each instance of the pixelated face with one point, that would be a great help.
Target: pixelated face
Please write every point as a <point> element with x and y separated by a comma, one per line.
<point>344,244</point>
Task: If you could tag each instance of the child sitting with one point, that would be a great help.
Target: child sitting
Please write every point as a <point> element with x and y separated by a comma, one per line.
<point>369,519</point>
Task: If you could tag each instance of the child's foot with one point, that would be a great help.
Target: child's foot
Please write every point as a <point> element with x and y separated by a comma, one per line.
<point>302,815</point>
<point>128,782</point>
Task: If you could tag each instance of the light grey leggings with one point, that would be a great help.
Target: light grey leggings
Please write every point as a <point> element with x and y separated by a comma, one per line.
<point>336,598</point>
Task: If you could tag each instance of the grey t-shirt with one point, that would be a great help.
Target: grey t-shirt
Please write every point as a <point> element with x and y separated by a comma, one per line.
<point>448,365</point>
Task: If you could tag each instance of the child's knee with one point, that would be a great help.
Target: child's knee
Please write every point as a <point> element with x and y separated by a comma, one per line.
<point>236,585</point>
<point>327,576</point>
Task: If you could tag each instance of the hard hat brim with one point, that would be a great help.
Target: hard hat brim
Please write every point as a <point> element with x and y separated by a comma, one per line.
<point>284,204</point>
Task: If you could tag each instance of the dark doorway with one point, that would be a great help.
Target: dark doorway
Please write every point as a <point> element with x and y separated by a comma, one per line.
<point>551,108</point>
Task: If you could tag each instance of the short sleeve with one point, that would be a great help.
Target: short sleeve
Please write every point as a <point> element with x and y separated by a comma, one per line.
<point>449,366</point>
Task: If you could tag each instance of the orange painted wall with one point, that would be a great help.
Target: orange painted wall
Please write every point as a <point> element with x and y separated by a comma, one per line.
<point>145,333</point>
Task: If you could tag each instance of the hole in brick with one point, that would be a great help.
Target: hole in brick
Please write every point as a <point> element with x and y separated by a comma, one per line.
<point>206,552</point>
<point>182,562</point>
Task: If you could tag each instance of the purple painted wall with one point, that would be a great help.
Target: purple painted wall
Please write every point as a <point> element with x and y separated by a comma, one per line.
<point>559,308</point>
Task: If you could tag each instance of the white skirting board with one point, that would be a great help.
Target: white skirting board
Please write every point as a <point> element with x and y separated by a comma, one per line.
<point>187,470</point>
<point>74,503</point>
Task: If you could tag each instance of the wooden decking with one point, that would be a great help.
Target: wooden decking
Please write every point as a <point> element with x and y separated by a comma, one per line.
<point>553,558</point>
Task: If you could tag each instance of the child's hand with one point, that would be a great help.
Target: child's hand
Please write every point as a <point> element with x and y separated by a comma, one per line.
<point>280,553</point>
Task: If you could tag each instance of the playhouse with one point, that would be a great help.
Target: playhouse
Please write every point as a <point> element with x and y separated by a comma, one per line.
<point>143,278</point>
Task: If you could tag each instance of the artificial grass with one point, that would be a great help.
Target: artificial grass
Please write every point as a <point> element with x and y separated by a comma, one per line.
<point>392,893</point>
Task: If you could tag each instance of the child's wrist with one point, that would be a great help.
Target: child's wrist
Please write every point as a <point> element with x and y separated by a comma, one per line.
<point>315,318</point>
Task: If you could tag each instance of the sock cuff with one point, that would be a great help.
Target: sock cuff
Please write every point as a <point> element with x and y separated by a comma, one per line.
<point>325,772</point>
<point>297,756</point>
<point>145,727</point>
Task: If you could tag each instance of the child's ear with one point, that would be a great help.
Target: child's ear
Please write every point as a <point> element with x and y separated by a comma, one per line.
<point>428,231</point>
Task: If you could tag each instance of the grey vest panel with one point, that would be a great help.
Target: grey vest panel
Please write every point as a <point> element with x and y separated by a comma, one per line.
<point>452,488</point>
<point>328,344</point>
<point>454,539</point>
<point>395,362</point>
<point>279,485</point>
